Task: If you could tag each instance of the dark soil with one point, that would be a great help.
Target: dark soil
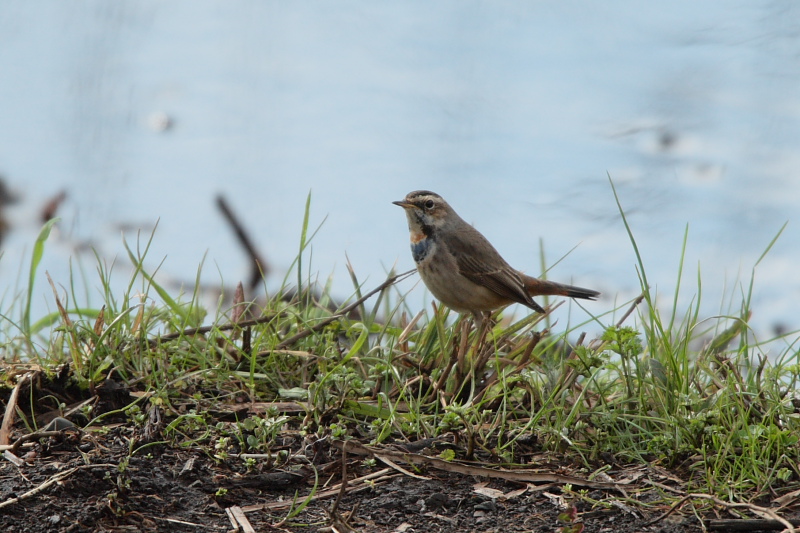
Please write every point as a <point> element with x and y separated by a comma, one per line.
<point>166,489</point>
<point>127,477</point>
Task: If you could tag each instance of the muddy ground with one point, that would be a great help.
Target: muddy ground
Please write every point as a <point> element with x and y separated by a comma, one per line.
<point>162,488</point>
<point>131,474</point>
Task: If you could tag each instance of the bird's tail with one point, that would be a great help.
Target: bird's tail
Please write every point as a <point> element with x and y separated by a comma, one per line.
<point>541,287</point>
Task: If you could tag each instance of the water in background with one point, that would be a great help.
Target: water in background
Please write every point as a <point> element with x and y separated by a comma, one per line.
<point>516,112</point>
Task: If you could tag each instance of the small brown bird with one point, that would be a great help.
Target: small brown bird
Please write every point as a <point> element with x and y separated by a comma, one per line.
<point>461,267</point>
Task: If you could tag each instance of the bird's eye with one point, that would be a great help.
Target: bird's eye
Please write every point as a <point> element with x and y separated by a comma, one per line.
<point>429,204</point>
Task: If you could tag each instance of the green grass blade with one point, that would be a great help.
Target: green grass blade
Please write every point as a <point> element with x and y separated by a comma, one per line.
<point>303,244</point>
<point>645,284</point>
<point>165,296</point>
<point>36,258</point>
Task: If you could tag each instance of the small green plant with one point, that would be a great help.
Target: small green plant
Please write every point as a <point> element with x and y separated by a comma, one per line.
<point>221,448</point>
<point>570,520</point>
<point>258,433</point>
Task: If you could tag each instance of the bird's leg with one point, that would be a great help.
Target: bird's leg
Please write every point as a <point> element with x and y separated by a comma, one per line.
<point>483,321</point>
<point>480,353</point>
<point>477,318</point>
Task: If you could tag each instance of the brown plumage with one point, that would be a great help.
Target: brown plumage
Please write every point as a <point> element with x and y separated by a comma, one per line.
<point>462,268</point>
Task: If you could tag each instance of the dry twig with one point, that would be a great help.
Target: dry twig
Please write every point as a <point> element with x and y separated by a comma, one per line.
<point>757,509</point>
<point>524,476</point>
<point>11,409</point>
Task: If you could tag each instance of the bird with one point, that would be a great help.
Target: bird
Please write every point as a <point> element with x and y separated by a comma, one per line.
<point>461,267</point>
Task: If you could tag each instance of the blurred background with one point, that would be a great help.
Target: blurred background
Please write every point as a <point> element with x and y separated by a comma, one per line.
<point>516,112</point>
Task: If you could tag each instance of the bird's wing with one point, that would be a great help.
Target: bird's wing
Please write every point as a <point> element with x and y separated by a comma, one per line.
<point>478,261</point>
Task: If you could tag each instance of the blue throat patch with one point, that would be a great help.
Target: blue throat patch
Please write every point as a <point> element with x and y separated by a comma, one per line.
<point>420,249</point>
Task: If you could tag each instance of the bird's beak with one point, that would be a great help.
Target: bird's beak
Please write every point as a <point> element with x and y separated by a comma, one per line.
<point>403,204</point>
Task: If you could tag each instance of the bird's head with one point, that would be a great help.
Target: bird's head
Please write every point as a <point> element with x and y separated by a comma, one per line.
<point>426,211</point>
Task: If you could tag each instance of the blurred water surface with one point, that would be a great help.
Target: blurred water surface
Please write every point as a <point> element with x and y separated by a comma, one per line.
<point>516,112</point>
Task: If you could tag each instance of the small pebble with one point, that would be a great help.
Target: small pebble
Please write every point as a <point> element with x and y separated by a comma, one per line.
<point>58,423</point>
<point>490,506</point>
<point>436,501</point>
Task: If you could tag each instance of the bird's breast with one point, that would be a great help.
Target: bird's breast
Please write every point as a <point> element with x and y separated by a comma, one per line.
<point>421,247</point>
